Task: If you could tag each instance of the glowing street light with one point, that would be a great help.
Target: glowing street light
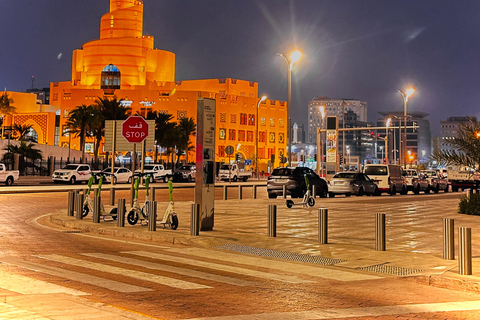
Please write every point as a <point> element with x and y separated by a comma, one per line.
<point>294,57</point>
<point>263,98</point>
<point>387,124</point>
<point>405,96</point>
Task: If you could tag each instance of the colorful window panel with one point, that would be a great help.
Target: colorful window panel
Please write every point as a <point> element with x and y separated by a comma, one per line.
<point>271,137</point>
<point>233,118</point>
<point>262,136</point>
<point>221,151</point>
<point>222,133</point>
<point>272,122</point>
<point>241,135</point>
<point>263,121</point>
<point>231,134</point>
<point>280,123</point>
<point>249,135</point>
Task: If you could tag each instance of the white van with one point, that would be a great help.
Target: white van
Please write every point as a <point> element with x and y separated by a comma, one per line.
<point>388,177</point>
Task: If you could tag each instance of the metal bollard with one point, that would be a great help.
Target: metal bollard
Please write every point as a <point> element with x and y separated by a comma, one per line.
<point>448,239</point>
<point>470,193</point>
<point>195,220</point>
<point>254,192</point>
<point>96,208</point>
<point>71,202</point>
<point>284,192</point>
<point>465,251</point>
<point>121,213</point>
<point>80,200</point>
<point>314,191</point>
<point>112,196</point>
<point>272,220</point>
<point>75,205</point>
<point>323,225</point>
<point>380,242</point>
<point>152,216</point>
<point>225,192</point>
<point>152,193</point>
<point>240,192</point>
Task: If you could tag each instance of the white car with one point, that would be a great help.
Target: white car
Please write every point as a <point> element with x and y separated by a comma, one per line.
<point>72,173</point>
<point>121,175</point>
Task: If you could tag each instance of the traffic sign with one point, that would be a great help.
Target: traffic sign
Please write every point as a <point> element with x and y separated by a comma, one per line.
<point>135,129</point>
<point>229,150</point>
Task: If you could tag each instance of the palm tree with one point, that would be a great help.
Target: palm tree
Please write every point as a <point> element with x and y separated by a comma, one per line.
<point>6,108</point>
<point>24,151</point>
<point>186,127</point>
<point>21,131</point>
<point>466,147</point>
<point>162,125</point>
<point>80,122</point>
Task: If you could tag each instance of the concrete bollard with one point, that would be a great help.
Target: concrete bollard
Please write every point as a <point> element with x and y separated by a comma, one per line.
<point>240,192</point>
<point>79,203</point>
<point>323,225</point>
<point>314,191</point>
<point>112,196</point>
<point>465,251</point>
<point>96,208</point>
<point>380,242</point>
<point>448,239</point>
<point>195,220</point>
<point>152,216</point>
<point>272,220</point>
<point>225,192</point>
<point>71,203</point>
<point>284,192</point>
<point>254,191</point>
<point>121,213</point>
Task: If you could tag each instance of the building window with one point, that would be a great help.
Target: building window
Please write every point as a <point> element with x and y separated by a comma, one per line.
<point>262,136</point>
<point>241,135</point>
<point>110,77</point>
<point>233,118</point>
<point>271,137</point>
<point>249,135</point>
<point>251,119</point>
<point>221,151</point>
<point>263,121</point>
<point>231,134</point>
<point>243,118</point>
<point>222,134</point>
<point>272,122</point>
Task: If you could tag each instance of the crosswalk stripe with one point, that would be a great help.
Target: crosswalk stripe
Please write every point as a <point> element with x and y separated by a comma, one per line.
<point>28,285</point>
<point>316,271</point>
<point>66,274</point>
<point>166,268</point>
<point>221,267</point>
<point>356,312</point>
<point>175,283</point>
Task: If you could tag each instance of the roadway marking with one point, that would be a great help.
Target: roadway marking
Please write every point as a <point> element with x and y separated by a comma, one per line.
<point>315,271</point>
<point>357,312</point>
<point>66,274</point>
<point>166,268</point>
<point>27,285</point>
<point>175,283</point>
<point>216,266</point>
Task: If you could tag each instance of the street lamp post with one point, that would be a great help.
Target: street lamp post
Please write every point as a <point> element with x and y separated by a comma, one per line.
<point>320,152</point>
<point>263,98</point>
<point>387,124</point>
<point>405,96</point>
<point>294,57</point>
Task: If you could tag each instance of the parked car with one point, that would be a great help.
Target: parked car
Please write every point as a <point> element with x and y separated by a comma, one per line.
<point>436,181</point>
<point>184,173</point>
<point>157,172</point>
<point>72,173</point>
<point>233,172</point>
<point>388,177</point>
<point>294,180</point>
<point>121,175</point>
<point>416,181</point>
<point>8,176</point>
<point>349,183</point>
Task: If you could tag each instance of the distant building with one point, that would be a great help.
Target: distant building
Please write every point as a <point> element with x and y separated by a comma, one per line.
<point>43,95</point>
<point>449,128</point>
<point>298,133</point>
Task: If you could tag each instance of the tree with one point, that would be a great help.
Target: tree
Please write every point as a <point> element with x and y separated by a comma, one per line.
<point>24,150</point>
<point>6,107</point>
<point>20,131</point>
<point>162,127</point>
<point>80,122</point>
<point>186,127</point>
<point>466,147</point>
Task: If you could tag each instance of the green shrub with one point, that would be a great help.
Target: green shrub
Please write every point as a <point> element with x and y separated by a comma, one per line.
<point>470,205</point>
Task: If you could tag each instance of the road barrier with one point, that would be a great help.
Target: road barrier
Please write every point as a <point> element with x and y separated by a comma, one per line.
<point>195,220</point>
<point>71,204</point>
<point>323,225</point>
<point>380,242</point>
<point>448,239</point>
<point>121,213</point>
<point>465,251</point>
<point>152,215</point>
<point>272,220</point>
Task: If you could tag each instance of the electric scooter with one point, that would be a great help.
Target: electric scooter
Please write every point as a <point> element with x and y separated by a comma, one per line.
<point>308,199</point>
<point>139,212</point>
<point>170,218</point>
<point>88,202</point>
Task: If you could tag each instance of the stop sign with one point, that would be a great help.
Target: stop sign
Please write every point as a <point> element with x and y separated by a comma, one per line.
<point>135,129</point>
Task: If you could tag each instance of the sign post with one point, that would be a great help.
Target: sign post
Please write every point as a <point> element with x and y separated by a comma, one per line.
<point>229,151</point>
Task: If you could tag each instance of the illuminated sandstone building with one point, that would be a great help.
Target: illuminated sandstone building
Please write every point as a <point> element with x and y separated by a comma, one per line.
<point>123,63</point>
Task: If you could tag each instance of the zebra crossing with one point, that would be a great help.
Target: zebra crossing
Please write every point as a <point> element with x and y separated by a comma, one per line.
<point>165,268</point>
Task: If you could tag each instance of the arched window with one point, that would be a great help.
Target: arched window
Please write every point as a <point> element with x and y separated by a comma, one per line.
<point>110,77</point>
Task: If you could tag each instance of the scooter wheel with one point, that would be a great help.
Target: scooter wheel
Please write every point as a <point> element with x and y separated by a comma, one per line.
<point>311,202</point>
<point>85,211</point>
<point>174,222</point>
<point>289,203</point>
<point>132,217</point>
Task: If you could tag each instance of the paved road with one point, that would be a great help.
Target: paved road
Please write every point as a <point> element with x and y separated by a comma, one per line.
<point>88,274</point>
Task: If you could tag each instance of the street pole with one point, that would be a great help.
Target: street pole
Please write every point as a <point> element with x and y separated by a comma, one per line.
<point>405,96</point>
<point>343,133</point>
<point>263,98</point>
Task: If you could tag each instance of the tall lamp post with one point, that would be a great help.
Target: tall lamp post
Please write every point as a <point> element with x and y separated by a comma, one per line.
<point>405,96</point>
<point>387,124</point>
<point>263,98</point>
<point>294,57</point>
<point>320,152</point>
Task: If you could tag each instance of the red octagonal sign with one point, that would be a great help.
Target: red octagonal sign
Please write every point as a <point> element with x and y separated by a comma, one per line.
<point>135,129</point>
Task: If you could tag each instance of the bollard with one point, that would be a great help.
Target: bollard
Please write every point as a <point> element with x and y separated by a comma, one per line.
<point>121,213</point>
<point>152,193</point>
<point>225,194</point>
<point>240,192</point>
<point>465,251</point>
<point>448,239</point>
<point>314,191</point>
<point>132,194</point>
<point>254,192</point>
<point>323,225</point>
<point>195,220</point>
<point>80,200</point>
<point>75,205</point>
<point>470,193</point>
<point>112,196</point>
<point>284,192</point>
<point>71,202</point>
<point>380,232</point>
<point>96,208</point>
<point>152,216</point>
<point>272,220</point>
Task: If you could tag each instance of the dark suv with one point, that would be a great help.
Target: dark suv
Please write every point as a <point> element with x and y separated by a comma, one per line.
<point>294,180</point>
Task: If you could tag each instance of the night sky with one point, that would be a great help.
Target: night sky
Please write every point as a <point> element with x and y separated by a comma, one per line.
<point>360,49</point>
